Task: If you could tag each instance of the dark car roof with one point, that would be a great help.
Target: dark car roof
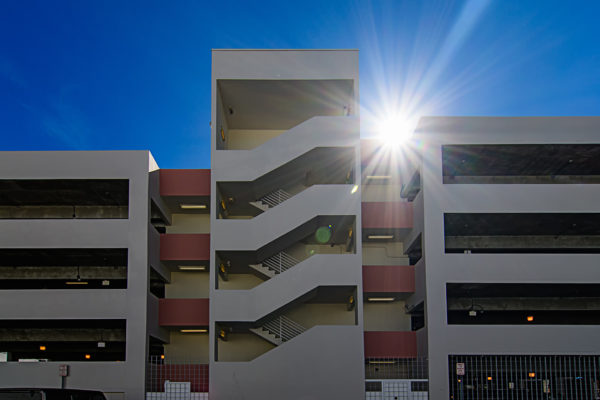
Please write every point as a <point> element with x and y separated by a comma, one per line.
<point>50,390</point>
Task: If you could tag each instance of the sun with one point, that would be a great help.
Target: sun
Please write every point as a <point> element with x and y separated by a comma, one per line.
<point>395,130</point>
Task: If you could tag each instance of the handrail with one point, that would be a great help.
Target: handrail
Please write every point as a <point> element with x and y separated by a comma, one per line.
<point>280,262</point>
<point>284,328</point>
<point>276,197</point>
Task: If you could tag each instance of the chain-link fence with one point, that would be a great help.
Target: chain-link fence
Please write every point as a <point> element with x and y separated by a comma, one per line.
<point>524,377</point>
<point>176,380</point>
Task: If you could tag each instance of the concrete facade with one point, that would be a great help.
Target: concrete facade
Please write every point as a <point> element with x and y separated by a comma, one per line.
<point>439,339</point>
<point>307,365</point>
<point>122,378</point>
<point>306,261</point>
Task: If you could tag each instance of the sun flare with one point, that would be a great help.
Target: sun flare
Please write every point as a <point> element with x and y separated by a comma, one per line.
<point>395,130</point>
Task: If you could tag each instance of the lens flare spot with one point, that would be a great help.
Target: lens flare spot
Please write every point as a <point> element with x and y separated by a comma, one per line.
<point>323,234</point>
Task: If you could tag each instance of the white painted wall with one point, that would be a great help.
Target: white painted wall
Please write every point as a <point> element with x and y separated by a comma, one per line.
<point>377,193</point>
<point>189,223</point>
<point>385,253</point>
<point>242,347</point>
<point>239,282</point>
<point>385,316</point>
<point>188,285</point>
<point>309,315</point>
<point>189,347</point>
<point>247,139</point>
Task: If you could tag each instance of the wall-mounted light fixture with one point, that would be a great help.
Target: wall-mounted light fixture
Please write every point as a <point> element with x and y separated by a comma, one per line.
<point>380,237</point>
<point>383,299</point>
<point>351,303</point>
<point>192,206</point>
<point>191,267</point>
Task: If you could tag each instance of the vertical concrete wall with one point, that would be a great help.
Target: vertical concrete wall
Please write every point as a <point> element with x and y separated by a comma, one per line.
<point>187,347</point>
<point>440,268</point>
<point>127,376</point>
<point>325,361</point>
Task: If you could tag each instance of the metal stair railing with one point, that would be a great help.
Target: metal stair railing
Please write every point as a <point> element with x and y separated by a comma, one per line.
<point>284,328</point>
<point>277,197</point>
<point>280,262</point>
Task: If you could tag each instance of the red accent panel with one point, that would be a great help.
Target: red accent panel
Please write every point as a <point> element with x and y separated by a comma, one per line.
<point>388,279</point>
<point>185,182</point>
<point>185,246</point>
<point>390,344</point>
<point>183,312</point>
<point>387,215</point>
<point>197,374</point>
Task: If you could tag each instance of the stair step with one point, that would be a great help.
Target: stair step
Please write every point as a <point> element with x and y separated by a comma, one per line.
<point>267,335</point>
<point>260,205</point>
<point>267,272</point>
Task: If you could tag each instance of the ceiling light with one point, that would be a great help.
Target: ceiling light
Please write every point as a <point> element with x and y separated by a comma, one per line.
<point>192,206</point>
<point>380,236</point>
<point>194,330</point>
<point>43,348</point>
<point>530,318</point>
<point>379,176</point>
<point>87,356</point>
<point>531,374</point>
<point>191,267</point>
<point>472,313</point>
<point>381,299</point>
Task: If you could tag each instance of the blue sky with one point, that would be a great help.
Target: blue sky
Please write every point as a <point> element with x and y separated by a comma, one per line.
<point>109,75</point>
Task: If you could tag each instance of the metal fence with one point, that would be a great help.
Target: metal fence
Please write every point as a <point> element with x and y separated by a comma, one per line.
<point>176,380</point>
<point>396,368</point>
<point>396,378</point>
<point>524,377</point>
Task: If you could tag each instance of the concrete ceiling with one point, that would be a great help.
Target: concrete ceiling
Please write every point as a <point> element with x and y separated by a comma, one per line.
<point>282,104</point>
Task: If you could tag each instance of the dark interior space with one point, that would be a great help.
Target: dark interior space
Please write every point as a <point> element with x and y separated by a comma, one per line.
<point>320,166</point>
<point>82,268</point>
<point>64,198</point>
<point>522,232</point>
<point>63,340</point>
<point>521,163</point>
<point>523,304</point>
